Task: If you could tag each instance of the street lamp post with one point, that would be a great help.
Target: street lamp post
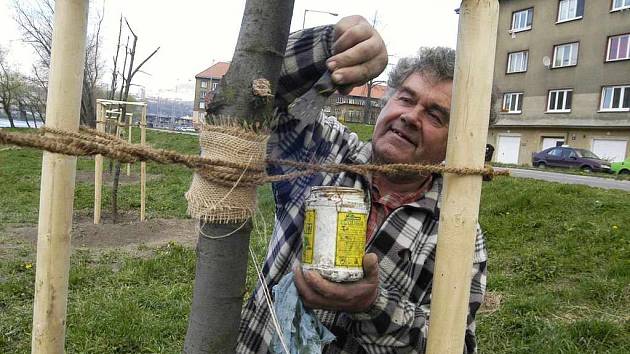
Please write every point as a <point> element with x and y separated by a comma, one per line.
<point>321,12</point>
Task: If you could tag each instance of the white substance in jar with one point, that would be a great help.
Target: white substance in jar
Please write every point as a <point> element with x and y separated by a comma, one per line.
<point>334,233</point>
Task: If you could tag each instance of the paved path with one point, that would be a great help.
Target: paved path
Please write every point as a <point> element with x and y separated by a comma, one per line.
<point>173,131</point>
<point>599,182</point>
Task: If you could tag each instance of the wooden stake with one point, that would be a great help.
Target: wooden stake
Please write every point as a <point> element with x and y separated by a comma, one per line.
<point>460,206</point>
<point>98,166</point>
<point>118,125</point>
<point>143,165</point>
<point>129,121</point>
<point>58,177</point>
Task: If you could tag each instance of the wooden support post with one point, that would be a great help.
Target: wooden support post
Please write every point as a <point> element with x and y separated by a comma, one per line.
<point>143,165</point>
<point>129,121</point>
<point>98,166</point>
<point>460,205</point>
<point>58,178</point>
<point>118,125</point>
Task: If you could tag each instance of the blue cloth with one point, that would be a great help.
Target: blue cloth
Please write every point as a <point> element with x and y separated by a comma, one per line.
<point>302,331</point>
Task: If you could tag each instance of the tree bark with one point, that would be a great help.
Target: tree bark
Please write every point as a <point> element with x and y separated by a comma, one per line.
<point>222,263</point>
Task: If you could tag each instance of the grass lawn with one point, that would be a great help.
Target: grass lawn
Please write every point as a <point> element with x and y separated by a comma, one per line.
<point>559,267</point>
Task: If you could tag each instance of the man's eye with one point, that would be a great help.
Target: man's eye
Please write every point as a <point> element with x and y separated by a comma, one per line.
<point>437,118</point>
<point>404,99</point>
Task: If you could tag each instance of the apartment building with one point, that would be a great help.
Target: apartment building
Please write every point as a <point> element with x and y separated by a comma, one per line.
<point>206,83</point>
<point>359,106</point>
<point>562,72</point>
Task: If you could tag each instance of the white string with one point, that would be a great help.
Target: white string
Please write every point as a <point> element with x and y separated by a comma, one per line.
<point>237,181</point>
<point>268,300</point>
<point>266,293</point>
<point>200,231</point>
<point>199,228</point>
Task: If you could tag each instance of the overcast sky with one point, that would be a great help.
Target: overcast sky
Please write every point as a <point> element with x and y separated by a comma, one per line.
<point>193,34</point>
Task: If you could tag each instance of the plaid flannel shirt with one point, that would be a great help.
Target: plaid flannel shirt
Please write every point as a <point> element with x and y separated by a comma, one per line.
<point>405,242</point>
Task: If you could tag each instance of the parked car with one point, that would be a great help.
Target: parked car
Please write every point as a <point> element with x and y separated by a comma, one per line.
<point>622,168</point>
<point>565,156</point>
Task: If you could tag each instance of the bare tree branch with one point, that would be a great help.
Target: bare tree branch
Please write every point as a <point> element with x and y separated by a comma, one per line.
<point>144,61</point>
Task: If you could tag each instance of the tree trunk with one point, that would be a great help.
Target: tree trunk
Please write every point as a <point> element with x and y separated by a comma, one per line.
<point>33,115</point>
<point>222,263</point>
<point>88,111</point>
<point>7,110</point>
<point>23,113</point>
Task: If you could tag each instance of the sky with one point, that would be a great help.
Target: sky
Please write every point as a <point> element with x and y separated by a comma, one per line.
<point>194,34</point>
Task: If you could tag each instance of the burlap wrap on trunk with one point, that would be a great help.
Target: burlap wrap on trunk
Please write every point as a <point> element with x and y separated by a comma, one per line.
<point>220,203</point>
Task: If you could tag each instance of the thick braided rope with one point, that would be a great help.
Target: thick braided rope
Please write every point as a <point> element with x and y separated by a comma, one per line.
<point>231,165</point>
<point>89,142</point>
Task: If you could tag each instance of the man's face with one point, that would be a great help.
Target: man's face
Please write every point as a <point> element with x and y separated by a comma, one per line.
<point>413,125</point>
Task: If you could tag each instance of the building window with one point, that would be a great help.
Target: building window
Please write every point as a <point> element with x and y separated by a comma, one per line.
<point>214,86</point>
<point>565,55</point>
<point>522,20</point>
<point>620,5</point>
<point>512,102</point>
<point>618,48</point>
<point>615,99</point>
<point>202,105</point>
<point>517,62</point>
<point>204,83</point>
<point>559,101</point>
<point>202,94</point>
<point>570,10</point>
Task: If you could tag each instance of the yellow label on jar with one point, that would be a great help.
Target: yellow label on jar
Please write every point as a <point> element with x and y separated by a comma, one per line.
<point>351,229</point>
<point>309,237</point>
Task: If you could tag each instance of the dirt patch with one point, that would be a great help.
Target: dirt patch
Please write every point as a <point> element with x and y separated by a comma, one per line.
<point>127,234</point>
<point>491,302</point>
<point>134,178</point>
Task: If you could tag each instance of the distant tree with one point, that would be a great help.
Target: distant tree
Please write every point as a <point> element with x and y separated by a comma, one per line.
<point>11,86</point>
<point>32,99</point>
<point>35,21</point>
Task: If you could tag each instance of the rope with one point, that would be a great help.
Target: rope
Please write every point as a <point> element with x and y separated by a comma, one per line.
<point>89,142</point>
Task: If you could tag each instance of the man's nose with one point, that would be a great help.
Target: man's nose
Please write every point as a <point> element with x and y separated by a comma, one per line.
<point>412,119</point>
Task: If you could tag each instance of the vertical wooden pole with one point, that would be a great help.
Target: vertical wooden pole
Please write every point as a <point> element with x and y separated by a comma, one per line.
<point>129,121</point>
<point>98,166</point>
<point>460,206</point>
<point>143,165</point>
<point>58,177</point>
<point>118,125</point>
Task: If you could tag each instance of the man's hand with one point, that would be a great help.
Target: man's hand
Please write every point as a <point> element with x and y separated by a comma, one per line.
<point>319,293</point>
<point>359,53</point>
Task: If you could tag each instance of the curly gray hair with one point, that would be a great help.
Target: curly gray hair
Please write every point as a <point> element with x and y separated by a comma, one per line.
<point>436,62</point>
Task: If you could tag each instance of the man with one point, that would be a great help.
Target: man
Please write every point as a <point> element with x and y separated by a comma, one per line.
<point>387,311</point>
